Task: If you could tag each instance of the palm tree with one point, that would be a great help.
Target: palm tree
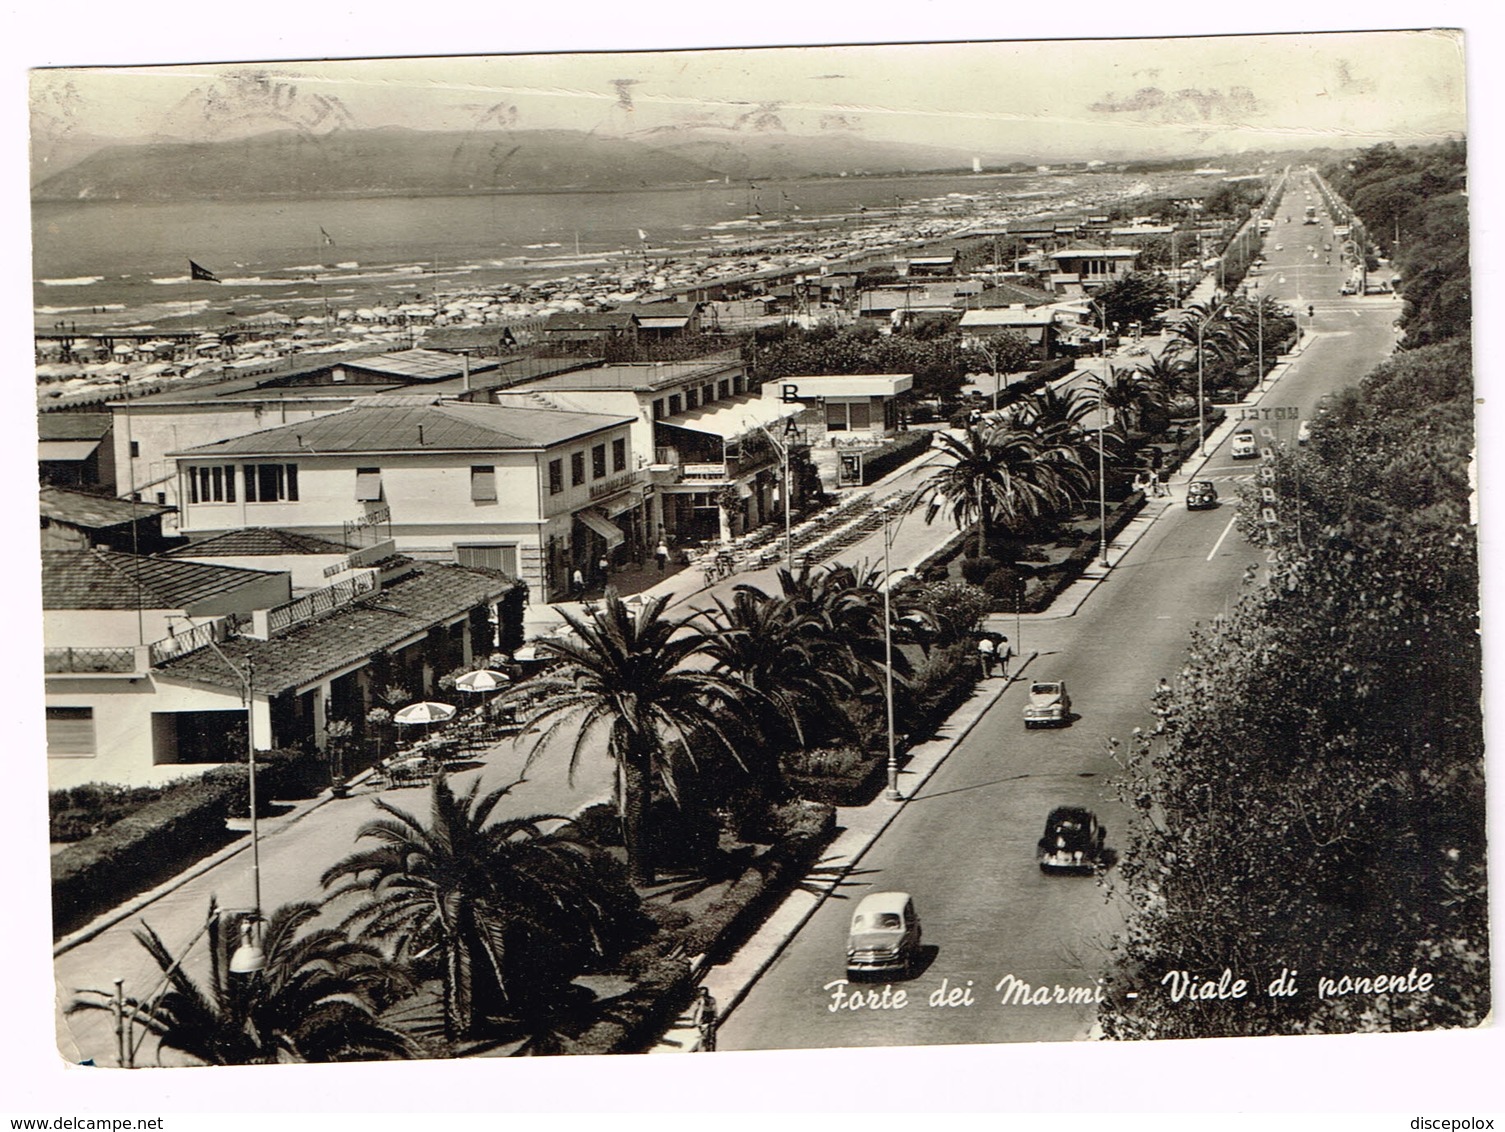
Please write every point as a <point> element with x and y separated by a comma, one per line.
<point>788,654</point>
<point>636,679</point>
<point>507,909</point>
<point>1128,394</point>
<point>318,998</point>
<point>1006,472</point>
<point>1168,370</point>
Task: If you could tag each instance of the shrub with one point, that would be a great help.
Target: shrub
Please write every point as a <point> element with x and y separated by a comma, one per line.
<point>600,823</point>
<point>827,762</point>
<point>1003,585</point>
<point>976,570</point>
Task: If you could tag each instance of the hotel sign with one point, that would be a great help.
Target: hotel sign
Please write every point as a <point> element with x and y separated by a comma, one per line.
<point>612,486</point>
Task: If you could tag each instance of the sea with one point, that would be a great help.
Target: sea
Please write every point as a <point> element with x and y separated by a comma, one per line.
<point>120,265</point>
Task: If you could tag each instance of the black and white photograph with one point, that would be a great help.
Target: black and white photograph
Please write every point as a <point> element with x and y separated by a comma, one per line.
<point>965,542</point>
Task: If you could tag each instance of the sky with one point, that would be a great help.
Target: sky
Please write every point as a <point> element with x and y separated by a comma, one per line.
<point>1299,92</point>
<point>1054,99</point>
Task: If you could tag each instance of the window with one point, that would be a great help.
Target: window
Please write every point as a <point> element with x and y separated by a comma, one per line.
<point>658,409</point>
<point>135,448</point>
<point>489,556</point>
<point>739,383</point>
<point>861,414</point>
<point>618,456</point>
<point>707,394</point>
<point>483,483</point>
<point>213,484</point>
<point>577,468</point>
<point>598,462</point>
<point>692,398</point>
<point>676,403</point>
<point>70,731</point>
<point>722,388</point>
<point>556,476</point>
<point>368,485</point>
<point>271,483</point>
<point>836,416</point>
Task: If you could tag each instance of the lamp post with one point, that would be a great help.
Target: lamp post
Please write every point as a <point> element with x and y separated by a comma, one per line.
<point>1201,397</point>
<point>249,958</point>
<point>783,451</point>
<point>892,793</point>
<point>1102,412</point>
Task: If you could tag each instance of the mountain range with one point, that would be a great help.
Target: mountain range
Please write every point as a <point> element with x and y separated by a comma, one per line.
<point>399,161</point>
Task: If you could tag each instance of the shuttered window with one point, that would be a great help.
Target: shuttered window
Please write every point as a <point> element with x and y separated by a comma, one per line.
<point>368,485</point>
<point>491,557</point>
<point>70,731</point>
<point>577,468</point>
<point>483,483</point>
<point>618,456</point>
<point>598,461</point>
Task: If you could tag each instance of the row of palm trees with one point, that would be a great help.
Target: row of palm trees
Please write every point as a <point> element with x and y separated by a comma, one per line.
<point>1036,460</point>
<point>499,913</point>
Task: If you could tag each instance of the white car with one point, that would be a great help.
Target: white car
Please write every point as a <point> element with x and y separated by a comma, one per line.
<point>1243,447</point>
<point>1304,433</point>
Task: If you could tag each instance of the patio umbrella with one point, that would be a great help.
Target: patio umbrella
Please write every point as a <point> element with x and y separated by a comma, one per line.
<point>482,680</point>
<point>425,712</point>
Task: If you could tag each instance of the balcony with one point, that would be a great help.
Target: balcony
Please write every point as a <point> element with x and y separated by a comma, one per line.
<point>121,661</point>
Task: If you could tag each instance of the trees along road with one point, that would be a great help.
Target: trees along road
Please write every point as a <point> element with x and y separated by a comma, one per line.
<point>964,846</point>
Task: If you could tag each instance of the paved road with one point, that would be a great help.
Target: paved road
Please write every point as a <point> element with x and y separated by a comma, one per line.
<point>964,846</point>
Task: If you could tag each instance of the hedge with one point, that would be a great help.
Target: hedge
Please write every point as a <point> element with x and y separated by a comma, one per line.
<point>162,838</point>
<point>878,462</point>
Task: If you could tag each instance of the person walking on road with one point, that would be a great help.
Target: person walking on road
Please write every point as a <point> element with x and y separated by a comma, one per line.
<point>1004,651</point>
<point>661,552</point>
<point>577,583</point>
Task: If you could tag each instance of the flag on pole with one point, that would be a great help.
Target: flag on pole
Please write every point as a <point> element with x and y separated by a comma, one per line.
<point>328,239</point>
<point>197,272</point>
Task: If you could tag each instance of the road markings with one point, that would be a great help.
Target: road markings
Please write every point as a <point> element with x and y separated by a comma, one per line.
<point>1221,537</point>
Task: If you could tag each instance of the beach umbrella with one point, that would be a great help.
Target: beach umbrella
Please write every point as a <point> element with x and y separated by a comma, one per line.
<point>425,712</point>
<point>482,680</point>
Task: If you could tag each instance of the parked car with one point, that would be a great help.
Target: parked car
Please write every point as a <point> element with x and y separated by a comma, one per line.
<point>884,935</point>
<point>1349,288</point>
<point>1073,841</point>
<point>1304,433</point>
<point>1243,447</point>
<point>1048,704</point>
<point>1200,495</point>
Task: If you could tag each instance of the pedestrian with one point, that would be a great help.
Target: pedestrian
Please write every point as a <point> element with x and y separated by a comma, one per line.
<point>662,554</point>
<point>603,567</point>
<point>1163,482</point>
<point>1004,652</point>
<point>705,1019</point>
<point>987,651</point>
<point>577,582</point>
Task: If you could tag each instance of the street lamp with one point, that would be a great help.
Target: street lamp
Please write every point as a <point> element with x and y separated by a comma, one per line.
<point>249,957</point>
<point>1201,397</point>
<point>892,793</point>
<point>783,451</point>
<point>1102,412</point>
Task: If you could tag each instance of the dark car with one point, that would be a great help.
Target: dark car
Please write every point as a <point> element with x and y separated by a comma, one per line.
<point>1201,494</point>
<point>1073,841</point>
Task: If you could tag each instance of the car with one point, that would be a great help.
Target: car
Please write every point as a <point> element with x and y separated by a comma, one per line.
<point>1243,447</point>
<point>1201,494</point>
<point>884,935</point>
<point>1048,704</point>
<point>1304,432</point>
<point>1349,289</point>
<point>1073,841</point>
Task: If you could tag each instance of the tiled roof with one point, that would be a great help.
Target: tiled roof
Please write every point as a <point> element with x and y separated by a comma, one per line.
<point>590,320</point>
<point>105,579</point>
<point>1010,294</point>
<point>445,427</point>
<point>248,542</point>
<point>418,365</point>
<point>432,594</point>
<point>92,512</point>
<point>73,426</point>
